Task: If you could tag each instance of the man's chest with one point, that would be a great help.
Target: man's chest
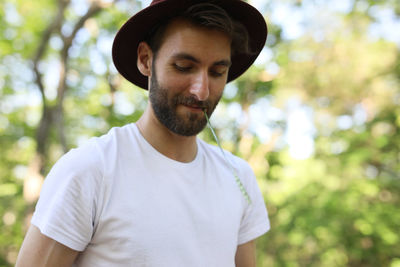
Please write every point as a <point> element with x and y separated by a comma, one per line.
<point>172,217</point>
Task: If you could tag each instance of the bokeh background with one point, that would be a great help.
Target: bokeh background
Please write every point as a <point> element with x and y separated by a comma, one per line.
<point>317,117</point>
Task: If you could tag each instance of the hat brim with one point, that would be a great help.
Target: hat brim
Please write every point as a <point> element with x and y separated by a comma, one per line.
<point>124,50</point>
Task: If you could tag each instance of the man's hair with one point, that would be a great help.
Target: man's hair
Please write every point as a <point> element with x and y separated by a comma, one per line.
<point>209,16</point>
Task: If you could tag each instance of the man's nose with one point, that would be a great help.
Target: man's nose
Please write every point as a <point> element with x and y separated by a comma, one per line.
<point>200,86</point>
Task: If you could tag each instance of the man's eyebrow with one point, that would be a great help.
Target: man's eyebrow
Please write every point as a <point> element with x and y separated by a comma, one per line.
<point>185,56</point>
<point>226,63</point>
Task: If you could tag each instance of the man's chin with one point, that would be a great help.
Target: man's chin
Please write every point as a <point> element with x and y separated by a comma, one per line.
<point>187,129</point>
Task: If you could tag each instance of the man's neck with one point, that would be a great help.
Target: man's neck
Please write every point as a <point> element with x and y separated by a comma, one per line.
<point>174,146</point>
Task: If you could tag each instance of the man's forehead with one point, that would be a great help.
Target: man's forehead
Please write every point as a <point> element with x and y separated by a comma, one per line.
<point>184,27</point>
<point>183,37</point>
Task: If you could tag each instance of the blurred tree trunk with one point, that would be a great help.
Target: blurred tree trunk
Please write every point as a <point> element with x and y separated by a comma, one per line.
<point>52,113</point>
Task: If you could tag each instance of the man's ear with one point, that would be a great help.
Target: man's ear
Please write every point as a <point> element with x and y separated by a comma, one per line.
<point>144,58</point>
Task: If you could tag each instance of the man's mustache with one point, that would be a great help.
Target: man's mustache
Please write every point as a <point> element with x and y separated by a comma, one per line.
<point>193,102</point>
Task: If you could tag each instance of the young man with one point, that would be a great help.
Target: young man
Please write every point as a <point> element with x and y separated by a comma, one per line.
<point>152,193</point>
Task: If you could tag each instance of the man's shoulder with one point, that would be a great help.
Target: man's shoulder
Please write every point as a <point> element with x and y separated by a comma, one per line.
<point>92,152</point>
<point>215,153</point>
<point>106,143</point>
<point>115,135</point>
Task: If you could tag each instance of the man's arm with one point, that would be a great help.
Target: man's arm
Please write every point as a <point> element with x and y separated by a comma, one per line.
<point>40,250</point>
<point>246,255</point>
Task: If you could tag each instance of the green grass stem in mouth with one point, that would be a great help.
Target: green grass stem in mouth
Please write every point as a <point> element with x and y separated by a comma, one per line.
<point>238,182</point>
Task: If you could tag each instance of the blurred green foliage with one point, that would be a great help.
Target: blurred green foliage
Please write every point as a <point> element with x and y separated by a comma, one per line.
<point>338,206</point>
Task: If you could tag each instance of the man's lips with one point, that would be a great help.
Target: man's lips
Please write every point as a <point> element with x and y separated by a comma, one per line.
<point>194,107</point>
<point>193,104</point>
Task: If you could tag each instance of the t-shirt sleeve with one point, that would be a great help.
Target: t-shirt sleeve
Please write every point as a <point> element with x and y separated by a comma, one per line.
<point>66,208</point>
<point>255,220</point>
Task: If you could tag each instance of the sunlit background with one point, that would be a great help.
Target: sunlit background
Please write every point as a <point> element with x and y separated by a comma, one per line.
<point>317,117</point>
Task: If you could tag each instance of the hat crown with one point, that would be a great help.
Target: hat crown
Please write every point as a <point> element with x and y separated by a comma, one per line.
<point>183,2</point>
<point>154,2</point>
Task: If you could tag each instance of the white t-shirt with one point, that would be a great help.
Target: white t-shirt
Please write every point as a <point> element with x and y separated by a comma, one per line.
<point>122,203</point>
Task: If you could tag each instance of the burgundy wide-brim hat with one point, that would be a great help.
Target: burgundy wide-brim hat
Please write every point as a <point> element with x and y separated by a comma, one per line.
<point>134,31</point>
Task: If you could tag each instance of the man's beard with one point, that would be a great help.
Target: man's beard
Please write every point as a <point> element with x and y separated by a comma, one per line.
<point>165,109</point>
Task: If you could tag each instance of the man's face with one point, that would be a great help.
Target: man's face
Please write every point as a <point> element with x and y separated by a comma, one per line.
<point>188,76</point>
